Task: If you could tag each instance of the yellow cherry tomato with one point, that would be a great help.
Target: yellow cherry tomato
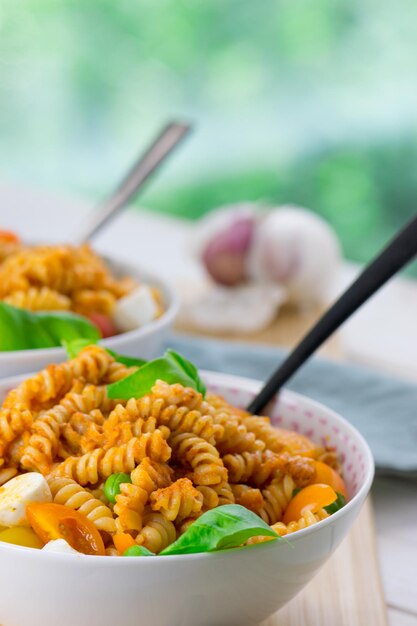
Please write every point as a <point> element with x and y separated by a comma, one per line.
<point>313,497</point>
<point>326,475</point>
<point>21,536</point>
<point>57,521</point>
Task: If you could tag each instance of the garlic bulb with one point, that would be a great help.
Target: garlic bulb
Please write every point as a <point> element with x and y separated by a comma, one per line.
<point>286,246</point>
<point>222,241</point>
<point>296,249</point>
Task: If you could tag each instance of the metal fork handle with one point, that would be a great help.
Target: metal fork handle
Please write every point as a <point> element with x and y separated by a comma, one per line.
<point>141,171</point>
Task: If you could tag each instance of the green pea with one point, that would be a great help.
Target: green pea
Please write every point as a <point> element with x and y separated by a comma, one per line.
<point>112,485</point>
<point>138,551</point>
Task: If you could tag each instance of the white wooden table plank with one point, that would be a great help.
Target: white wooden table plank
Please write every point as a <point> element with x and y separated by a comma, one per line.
<point>395,505</point>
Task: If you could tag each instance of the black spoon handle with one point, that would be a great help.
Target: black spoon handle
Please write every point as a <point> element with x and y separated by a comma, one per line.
<point>401,249</point>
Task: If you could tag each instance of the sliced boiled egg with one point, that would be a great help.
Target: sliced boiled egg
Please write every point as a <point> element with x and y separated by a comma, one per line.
<point>135,310</point>
<point>17,493</point>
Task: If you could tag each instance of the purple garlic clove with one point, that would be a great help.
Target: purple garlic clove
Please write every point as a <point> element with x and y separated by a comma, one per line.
<point>225,254</point>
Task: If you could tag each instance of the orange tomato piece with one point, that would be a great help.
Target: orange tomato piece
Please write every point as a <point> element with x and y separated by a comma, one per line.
<point>295,443</point>
<point>122,542</point>
<point>326,475</point>
<point>57,521</point>
<point>8,235</point>
<point>313,497</point>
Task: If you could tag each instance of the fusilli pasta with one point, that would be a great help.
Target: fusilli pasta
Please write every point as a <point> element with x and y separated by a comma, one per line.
<point>62,278</point>
<point>183,455</point>
<point>69,492</point>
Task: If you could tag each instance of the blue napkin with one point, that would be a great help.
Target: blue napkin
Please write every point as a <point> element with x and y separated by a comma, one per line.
<point>382,408</point>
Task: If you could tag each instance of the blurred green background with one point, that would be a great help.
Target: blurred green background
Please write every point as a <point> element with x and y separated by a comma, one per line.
<point>294,101</point>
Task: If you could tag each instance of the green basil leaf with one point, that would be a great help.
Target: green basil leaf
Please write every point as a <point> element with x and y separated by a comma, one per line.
<point>129,361</point>
<point>112,485</point>
<point>25,330</point>
<point>189,368</point>
<point>138,551</point>
<point>172,368</point>
<point>338,504</point>
<point>74,347</point>
<point>227,526</point>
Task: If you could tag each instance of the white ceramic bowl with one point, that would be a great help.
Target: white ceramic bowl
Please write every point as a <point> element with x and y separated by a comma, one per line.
<point>237,587</point>
<point>145,342</point>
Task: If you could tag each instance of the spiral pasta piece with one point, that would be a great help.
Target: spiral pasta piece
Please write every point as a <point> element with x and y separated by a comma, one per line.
<point>96,465</point>
<point>87,399</point>
<point>157,533</point>
<point>149,406</point>
<point>82,433</point>
<point>41,390</point>
<point>225,493</point>
<point>116,371</point>
<point>271,467</point>
<point>216,495</point>
<point>293,442</point>
<point>177,394</point>
<point>39,299</point>
<point>276,498</point>
<point>16,449</point>
<point>13,422</point>
<point>249,497</point>
<point>262,428</point>
<point>92,364</point>
<point>50,266</point>
<point>241,467</point>
<point>85,301</point>
<point>147,477</point>
<point>185,420</point>
<point>202,456</point>
<point>210,497</point>
<point>43,266</point>
<point>68,492</point>
<point>308,518</point>
<point>178,501</point>
<point>43,443</point>
<point>235,437</point>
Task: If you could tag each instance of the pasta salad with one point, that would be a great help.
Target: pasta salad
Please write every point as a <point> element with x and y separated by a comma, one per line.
<point>108,455</point>
<point>72,281</point>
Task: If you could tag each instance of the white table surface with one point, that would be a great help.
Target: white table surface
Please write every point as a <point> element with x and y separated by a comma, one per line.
<point>382,334</point>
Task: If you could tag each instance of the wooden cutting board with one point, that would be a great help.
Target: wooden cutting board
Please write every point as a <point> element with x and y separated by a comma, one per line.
<point>347,591</point>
